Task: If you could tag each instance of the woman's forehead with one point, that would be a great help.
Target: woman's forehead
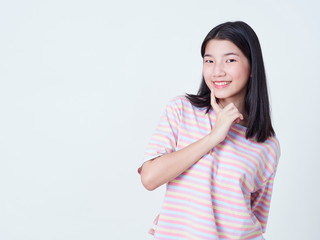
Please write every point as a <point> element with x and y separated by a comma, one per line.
<point>222,48</point>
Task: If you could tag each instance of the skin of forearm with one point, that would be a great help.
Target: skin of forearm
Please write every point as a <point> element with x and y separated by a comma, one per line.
<point>163,169</point>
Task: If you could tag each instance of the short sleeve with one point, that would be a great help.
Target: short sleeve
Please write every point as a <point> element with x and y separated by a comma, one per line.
<point>164,138</point>
<point>260,202</point>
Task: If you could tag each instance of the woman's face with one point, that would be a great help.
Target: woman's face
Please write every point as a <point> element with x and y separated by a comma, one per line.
<point>226,69</point>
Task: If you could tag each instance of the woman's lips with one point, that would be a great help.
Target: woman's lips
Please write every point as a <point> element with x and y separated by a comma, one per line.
<point>221,84</point>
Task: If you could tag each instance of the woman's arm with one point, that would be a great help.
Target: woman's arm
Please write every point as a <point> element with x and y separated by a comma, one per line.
<point>260,202</point>
<point>163,169</point>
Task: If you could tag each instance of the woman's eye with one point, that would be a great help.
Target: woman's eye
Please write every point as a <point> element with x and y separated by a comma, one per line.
<point>208,61</point>
<point>231,60</point>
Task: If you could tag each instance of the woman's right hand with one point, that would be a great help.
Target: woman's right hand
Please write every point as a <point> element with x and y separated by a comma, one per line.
<point>226,117</point>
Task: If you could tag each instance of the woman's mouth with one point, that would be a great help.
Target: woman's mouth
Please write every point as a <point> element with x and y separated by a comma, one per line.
<point>221,84</point>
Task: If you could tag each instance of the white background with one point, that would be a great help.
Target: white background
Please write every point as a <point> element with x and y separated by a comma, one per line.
<point>82,87</point>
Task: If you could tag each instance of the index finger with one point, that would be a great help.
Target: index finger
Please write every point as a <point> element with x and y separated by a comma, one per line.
<point>213,101</point>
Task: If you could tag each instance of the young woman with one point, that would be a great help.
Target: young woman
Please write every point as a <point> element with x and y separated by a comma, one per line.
<point>216,150</point>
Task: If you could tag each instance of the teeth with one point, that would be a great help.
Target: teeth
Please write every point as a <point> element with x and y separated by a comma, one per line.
<point>221,83</point>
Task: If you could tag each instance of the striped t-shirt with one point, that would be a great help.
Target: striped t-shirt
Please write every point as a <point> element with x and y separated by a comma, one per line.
<point>226,194</point>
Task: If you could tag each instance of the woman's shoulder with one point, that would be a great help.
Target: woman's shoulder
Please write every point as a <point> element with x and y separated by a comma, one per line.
<point>180,99</point>
<point>276,145</point>
<point>272,150</point>
<point>181,107</point>
<point>178,103</point>
<point>183,103</point>
<point>273,143</point>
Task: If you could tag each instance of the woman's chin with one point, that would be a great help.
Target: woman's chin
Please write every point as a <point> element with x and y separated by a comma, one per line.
<point>220,96</point>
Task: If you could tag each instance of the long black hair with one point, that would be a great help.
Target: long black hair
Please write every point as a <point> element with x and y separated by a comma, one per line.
<point>256,101</point>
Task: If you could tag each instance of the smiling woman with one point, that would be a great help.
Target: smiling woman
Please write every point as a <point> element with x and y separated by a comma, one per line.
<point>226,70</point>
<point>216,150</point>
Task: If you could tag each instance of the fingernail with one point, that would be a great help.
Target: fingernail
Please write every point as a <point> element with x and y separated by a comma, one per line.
<point>151,231</point>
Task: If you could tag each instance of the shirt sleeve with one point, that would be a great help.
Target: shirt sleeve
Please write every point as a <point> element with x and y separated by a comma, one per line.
<point>164,139</point>
<point>260,202</point>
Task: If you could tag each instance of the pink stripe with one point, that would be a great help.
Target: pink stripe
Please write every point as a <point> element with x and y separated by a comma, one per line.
<point>210,220</point>
<point>186,234</point>
<point>245,217</point>
<point>204,191</point>
<point>185,192</point>
<point>189,226</point>
<point>201,204</point>
<point>196,125</point>
<point>257,151</point>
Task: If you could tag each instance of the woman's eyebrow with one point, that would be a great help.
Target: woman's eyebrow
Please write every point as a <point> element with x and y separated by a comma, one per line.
<point>226,54</point>
<point>231,53</point>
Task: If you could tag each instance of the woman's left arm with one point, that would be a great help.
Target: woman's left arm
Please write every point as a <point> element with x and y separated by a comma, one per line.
<point>260,201</point>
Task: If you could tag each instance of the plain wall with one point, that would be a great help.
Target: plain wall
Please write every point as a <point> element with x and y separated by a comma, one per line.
<point>82,87</point>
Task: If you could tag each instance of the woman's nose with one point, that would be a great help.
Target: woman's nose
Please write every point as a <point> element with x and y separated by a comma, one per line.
<point>218,70</point>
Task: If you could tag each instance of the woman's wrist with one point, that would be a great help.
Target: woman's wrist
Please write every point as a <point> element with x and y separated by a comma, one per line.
<point>214,139</point>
